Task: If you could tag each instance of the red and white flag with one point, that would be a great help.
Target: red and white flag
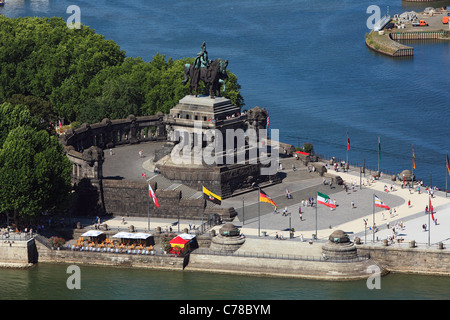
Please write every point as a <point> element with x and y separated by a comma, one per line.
<point>152,195</point>
<point>379,203</point>
<point>431,209</point>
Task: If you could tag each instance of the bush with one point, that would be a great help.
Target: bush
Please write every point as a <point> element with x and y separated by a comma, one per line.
<point>308,147</point>
<point>57,242</point>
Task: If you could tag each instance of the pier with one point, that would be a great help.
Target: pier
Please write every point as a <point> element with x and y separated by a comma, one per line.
<point>386,41</point>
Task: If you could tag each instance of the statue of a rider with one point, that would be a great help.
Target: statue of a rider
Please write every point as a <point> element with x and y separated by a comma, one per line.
<point>202,60</point>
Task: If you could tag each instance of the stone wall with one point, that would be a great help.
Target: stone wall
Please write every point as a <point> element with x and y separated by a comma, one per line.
<point>320,270</point>
<point>111,259</point>
<point>410,260</point>
<point>131,198</point>
<point>110,133</point>
<point>18,253</point>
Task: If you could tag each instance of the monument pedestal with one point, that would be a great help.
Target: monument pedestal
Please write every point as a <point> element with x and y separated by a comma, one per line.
<point>187,125</point>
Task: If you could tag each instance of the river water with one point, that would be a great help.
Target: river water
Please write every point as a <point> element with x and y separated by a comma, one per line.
<point>49,282</point>
<point>306,63</point>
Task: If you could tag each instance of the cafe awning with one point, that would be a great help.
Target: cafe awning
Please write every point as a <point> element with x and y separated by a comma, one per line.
<point>92,233</point>
<point>129,235</point>
<point>186,236</point>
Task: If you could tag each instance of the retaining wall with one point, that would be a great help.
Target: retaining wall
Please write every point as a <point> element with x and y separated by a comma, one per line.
<point>410,260</point>
<point>17,253</point>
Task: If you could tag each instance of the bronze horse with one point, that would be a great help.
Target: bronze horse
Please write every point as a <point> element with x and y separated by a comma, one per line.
<point>212,76</point>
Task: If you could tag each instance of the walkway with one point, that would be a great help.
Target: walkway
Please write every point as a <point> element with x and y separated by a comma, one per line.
<point>303,184</point>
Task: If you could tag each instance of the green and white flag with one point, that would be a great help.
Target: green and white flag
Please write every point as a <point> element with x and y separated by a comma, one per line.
<point>322,198</point>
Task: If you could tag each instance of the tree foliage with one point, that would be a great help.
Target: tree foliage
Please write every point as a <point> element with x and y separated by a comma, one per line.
<point>34,171</point>
<point>84,77</point>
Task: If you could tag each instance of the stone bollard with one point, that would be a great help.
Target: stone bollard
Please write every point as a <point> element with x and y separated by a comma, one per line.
<point>131,228</point>
<point>357,240</point>
<point>212,233</point>
<point>440,245</point>
<point>185,230</point>
<point>412,244</point>
<point>79,225</point>
<point>158,230</point>
<point>385,242</point>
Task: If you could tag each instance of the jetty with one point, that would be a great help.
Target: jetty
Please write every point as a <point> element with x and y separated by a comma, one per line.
<point>386,34</point>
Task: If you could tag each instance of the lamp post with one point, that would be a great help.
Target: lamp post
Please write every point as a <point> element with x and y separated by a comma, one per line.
<point>365,230</point>
<point>243,212</point>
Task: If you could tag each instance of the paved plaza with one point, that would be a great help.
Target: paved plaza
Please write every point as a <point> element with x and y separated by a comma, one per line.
<point>303,184</point>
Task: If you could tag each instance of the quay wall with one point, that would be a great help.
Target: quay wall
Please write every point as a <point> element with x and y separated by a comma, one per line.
<point>317,270</point>
<point>410,260</point>
<point>388,259</point>
<point>111,259</point>
<point>17,253</point>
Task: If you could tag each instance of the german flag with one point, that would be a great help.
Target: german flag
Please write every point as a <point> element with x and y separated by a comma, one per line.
<point>208,195</point>
<point>263,197</point>
<point>448,165</point>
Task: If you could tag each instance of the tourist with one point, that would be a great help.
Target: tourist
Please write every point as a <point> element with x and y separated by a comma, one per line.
<point>353,205</point>
<point>110,152</point>
<point>301,237</point>
<point>293,167</point>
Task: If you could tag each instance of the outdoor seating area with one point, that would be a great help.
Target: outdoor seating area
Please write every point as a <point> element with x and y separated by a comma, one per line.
<point>122,242</point>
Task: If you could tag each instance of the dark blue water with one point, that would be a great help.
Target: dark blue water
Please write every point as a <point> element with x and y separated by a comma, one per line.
<point>306,63</point>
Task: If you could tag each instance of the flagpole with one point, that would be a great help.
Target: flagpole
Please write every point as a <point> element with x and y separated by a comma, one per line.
<point>373,218</point>
<point>347,148</point>
<point>446,174</point>
<point>148,211</point>
<point>429,213</point>
<point>259,210</point>
<point>203,214</point>
<point>379,147</point>
<point>412,174</point>
<point>316,219</point>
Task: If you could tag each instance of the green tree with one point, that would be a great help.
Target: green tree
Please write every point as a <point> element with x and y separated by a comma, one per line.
<point>34,174</point>
<point>13,116</point>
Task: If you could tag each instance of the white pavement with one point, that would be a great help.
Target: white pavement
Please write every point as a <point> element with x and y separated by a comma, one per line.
<point>413,216</point>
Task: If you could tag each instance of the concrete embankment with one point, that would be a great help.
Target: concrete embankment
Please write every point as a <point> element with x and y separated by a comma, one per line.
<point>398,259</point>
<point>402,259</point>
<point>318,270</point>
<point>384,44</point>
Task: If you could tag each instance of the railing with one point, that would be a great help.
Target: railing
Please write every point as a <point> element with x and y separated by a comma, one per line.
<point>13,236</point>
<point>262,255</point>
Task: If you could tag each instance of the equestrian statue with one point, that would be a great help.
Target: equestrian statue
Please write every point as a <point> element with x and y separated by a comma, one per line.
<point>212,73</point>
